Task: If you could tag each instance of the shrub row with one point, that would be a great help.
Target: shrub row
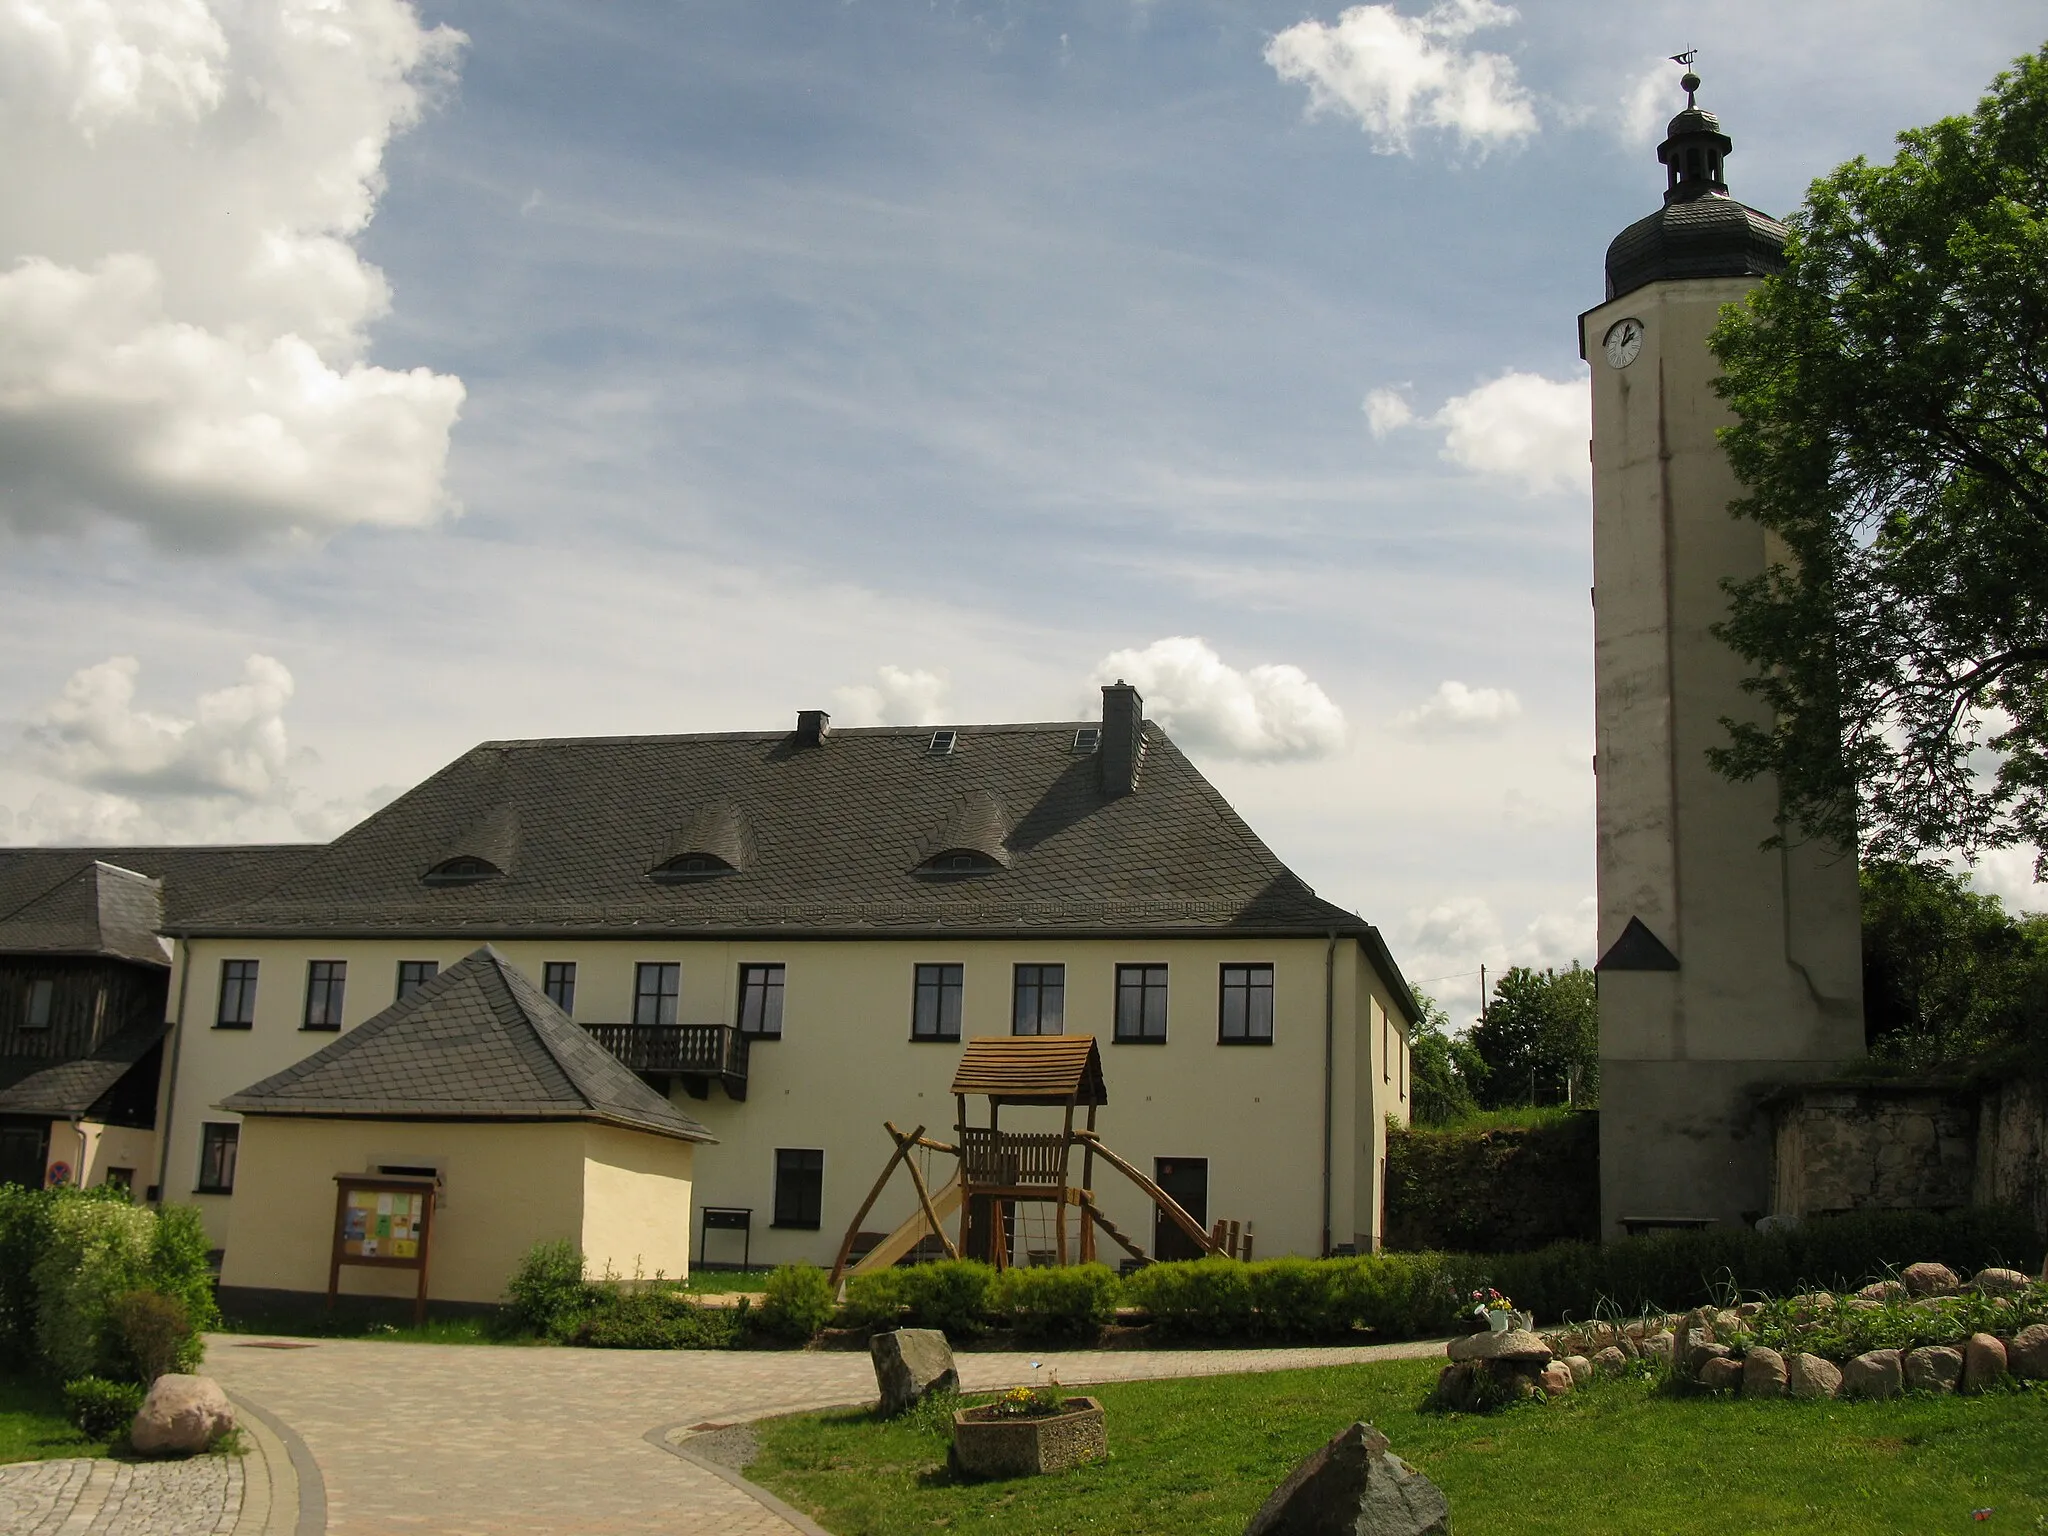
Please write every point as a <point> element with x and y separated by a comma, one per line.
<point>1389,1295</point>
<point>1494,1189</point>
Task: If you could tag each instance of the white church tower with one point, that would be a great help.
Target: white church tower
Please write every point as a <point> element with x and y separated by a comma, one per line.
<point>1726,969</point>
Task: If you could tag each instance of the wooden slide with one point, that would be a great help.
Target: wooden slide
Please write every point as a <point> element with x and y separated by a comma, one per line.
<point>916,1227</point>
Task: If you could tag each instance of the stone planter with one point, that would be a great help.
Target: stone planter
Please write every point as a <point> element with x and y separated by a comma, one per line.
<point>986,1446</point>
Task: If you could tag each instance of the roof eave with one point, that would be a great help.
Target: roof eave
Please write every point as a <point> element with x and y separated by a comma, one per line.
<point>524,1115</point>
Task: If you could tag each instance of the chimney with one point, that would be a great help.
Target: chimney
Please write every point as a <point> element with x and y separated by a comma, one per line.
<point>812,727</point>
<point>1123,728</point>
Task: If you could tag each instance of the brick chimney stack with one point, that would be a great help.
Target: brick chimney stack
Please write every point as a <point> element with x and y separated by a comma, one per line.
<point>1123,738</point>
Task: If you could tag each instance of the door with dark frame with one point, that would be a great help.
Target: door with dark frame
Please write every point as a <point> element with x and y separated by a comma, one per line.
<point>1187,1180</point>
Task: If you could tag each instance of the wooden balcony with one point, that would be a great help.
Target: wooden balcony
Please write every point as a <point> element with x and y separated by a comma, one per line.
<point>697,1054</point>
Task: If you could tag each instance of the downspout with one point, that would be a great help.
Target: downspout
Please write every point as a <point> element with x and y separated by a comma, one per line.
<point>78,1130</point>
<point>1329,1074</point>
<point>169,1095</point>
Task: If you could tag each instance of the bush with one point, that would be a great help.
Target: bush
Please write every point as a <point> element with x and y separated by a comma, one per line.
<point>797,1302</point>
<point>951,1295</point>
<point>1071,1303</point>
<point>24,1233</point>
<point>95,1250</point>
<point>100,1408</point>
<point>875,1300</point>
<point>649,1318</point>
<point>1494,1189</point>
<point>179,1269</point>
<point>156,1333</point>
<point>547,1293</point>
<point>1207,1297</point>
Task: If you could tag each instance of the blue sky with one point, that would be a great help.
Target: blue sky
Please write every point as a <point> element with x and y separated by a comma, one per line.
<point>1003,347</point>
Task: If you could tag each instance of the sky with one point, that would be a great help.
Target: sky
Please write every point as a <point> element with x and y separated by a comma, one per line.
<point>379,379</point>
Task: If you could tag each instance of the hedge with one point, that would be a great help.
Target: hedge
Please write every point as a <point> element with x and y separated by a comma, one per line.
<point>1497,1190</point>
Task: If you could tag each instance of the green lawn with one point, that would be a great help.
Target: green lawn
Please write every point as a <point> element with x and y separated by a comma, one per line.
<point>713,1282</point>
<point>33,1426</point>
<point>1201,1455</point>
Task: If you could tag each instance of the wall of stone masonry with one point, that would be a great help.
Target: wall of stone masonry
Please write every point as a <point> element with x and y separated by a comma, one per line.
<point>2012,1150</point>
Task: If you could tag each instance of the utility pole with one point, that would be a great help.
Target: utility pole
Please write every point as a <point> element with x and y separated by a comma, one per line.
<point>1482,994</point>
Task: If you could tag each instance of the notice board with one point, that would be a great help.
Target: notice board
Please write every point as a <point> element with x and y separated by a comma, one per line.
<point>383,1221</point>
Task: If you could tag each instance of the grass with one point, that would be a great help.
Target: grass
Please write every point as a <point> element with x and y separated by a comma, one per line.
<point>33,1426</point>
<point>1521,1117</point>
<point>299,1324</point>
<point>1200,1455</point>
<point>716,1281</point>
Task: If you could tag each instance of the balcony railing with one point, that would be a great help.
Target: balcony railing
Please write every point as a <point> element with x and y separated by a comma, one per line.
<point>696,1053</point>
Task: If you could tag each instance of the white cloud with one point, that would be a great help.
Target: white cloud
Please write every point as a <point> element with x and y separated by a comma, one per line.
<point>2008,874</point>
<point>896,697</point>
<point>1269,713</point>
<point>1521,428</point>
<point>183,317</point>
<point>1455,707</point>
<point>1446,944</point>
<point>1647,104</point>
<point>1396,74</point>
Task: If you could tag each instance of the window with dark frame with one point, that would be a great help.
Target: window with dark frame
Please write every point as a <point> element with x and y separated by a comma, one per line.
<point>558,980</point>
<point>1039,1000</point>
<point>935,1004</point>
<point>1246,1011</point>
<point>656,986</point>
<point>218,1144</point>
<point>42,993</point>
<point>414,974</point>
<point>761,1001</point>
<point>799,1187</point>
<point>237,995</point>
<point>326,981</point>
<point>1141,1004</point>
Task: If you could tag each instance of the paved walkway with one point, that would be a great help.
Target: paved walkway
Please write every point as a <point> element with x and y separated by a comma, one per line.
<point>468,1440</point>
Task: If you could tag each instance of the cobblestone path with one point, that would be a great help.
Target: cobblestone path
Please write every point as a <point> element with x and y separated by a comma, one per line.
<point>468,1440</point>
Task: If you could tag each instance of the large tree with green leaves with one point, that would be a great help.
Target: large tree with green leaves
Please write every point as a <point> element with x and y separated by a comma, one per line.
<point>1540,1039</point>
<point>1443,1068</point>
<point>1891,395</point>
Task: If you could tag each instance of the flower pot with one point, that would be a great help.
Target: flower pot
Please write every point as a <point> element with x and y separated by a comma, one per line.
<point>988,1446</point>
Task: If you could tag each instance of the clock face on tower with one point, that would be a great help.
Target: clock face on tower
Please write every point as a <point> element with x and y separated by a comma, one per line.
<point>1624,341</point>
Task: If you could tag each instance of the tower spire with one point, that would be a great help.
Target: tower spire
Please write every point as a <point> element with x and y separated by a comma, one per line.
<point>1694,146</point>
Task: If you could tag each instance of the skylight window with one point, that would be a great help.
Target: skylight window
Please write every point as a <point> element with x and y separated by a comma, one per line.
<point>942,744</point>
<point>461,871</point>
<point>1087,739</point>
<point>690,866</point>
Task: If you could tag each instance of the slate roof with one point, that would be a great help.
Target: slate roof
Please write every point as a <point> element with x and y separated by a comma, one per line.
<point>72,1088</point>
<point>478,1042</point>
<point>35,887</point>
<point>102,909</point>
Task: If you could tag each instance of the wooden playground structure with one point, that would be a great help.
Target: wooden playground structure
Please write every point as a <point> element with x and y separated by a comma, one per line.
<point>1028,1172</point>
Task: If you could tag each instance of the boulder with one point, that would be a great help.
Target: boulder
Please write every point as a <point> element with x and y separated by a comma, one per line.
<point>1811,1304</point>
<point>1877,1374</point>
<point>1557,1379</point>
<point>181,1416</point>
<point>1812,1376</point>
<point>1581,1369</point>
<point>1351,1485</point>
<point>1697,1360</point>
<point>1749,1309</point>
<point>1861,1304</point>
<point>1515,1344</point>
<point>1611,1361</point>
<point>1882,1290</point>
<point>2027,1355</point>
<point>1660,1346</point>
<point>1764,1374</point>
<point>1721,1374</point>
<point>1930,1280</point>
<point>1600,1335</point>
<point>1983,1361</point>
<point>1933,1368</point>
<point>910,1365</point>
<point>1999,1282</point>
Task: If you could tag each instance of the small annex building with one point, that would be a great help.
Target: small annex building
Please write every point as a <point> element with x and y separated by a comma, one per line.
<point>530,1131</point>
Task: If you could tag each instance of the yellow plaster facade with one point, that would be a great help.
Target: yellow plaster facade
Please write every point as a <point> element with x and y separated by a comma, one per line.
<point>89,1151</point>
<point>846,1062</point>
<point>622,1196</point>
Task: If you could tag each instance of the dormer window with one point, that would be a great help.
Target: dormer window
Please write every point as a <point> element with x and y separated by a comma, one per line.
<point>689,866</point>
<point>960,861</point>
<point>942,744</point>
<point>463,870</point>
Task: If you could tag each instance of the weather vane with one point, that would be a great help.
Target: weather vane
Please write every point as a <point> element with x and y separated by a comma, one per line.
<point>1689,82</point>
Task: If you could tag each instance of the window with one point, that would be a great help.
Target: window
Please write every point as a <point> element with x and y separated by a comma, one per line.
<point>1141,1003</point>
<point>935,1004</point>
<point>1247,1012</point>
<point>41,993</point>
<point>1087,739</point>
<point>655,987</point>
<point>121,1178</point>
<point>217,1147</point>
<point>414,974</point>
<point>461,871</point>
<point>799,1187</point>
<point>1041,1000</point>
<point>237,995</point>
<point>942,743</point>
<point>325,980</point>
<point>761,1001</point>
<point>558,980</point>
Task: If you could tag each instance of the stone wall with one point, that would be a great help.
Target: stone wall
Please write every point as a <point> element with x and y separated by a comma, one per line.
<point>1890,1145</point>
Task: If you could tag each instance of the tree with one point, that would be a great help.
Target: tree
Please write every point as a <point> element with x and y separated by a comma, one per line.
<point>1951,980</point>
<point>1540,1039</point>
<point>1442,1068</point>
<point>1891,395</point>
